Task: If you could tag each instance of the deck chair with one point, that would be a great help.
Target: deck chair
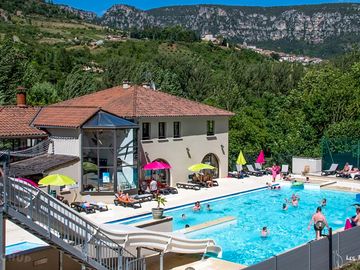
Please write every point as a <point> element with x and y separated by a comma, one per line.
<point>259,168</point>
<point>331,170</point>
<point>123,202</point>
<point>240,172</point>
<point>143,197</point>
<point>99,206</point>
<point>188,186</point>
<point>285,169</point>
<point>83,207</point>
<point>251,171</point>
<point>345,174</point>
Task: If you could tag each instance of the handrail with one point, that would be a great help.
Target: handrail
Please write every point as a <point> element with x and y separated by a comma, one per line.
<point>61,224</point>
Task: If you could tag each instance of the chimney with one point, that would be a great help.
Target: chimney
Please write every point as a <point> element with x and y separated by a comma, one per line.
<point>126,84</point>
<point>21,96</point>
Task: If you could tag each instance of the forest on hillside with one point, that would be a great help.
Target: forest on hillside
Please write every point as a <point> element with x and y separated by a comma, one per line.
<point>283,108</point>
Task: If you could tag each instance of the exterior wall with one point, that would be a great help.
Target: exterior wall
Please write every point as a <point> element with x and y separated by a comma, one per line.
<point>180,153</point>
<point>299,163</point>
<point>187,150</point>
<point>42,259</point>
<point>73,171</point>
<point>66,141</point>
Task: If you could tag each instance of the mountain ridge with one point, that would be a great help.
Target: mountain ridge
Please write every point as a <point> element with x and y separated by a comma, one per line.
<point>326,29</point>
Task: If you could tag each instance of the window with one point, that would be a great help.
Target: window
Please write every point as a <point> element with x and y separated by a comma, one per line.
<point>146,131</point>
<point>210,128</point>
<point>177,130</point>
<point>109,160</point>
<point>162,130</point>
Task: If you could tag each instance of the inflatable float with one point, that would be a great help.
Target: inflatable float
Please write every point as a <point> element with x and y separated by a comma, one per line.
<point>297,185</point>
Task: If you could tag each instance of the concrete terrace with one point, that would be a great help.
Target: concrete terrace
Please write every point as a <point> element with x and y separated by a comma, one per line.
<point>226,187</point>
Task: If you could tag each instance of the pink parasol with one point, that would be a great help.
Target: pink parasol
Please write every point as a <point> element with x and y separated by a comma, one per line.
<point>28,181</point>
<point>156,165</point>
<point>261,157</point>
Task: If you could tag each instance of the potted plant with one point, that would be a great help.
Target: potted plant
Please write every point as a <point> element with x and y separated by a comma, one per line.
<point>158,212</point>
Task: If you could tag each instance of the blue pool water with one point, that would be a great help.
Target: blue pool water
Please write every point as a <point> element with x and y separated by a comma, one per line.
<point>240,239</point>
<point>22,246</point>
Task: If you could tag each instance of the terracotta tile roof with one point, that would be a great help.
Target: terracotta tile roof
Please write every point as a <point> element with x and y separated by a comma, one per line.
<point>15,122</point>
<point>138,101</point>
<point>64,116</point>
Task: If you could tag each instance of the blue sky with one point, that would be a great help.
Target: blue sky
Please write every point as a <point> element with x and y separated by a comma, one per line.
<point>100,6</point>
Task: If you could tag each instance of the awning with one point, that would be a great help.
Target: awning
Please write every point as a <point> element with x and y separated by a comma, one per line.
<point>40,164</point>
<point>106,120</point>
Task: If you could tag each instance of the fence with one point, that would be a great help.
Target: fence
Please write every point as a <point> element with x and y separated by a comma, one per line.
<point>340,151</point>
<point>315,255</point>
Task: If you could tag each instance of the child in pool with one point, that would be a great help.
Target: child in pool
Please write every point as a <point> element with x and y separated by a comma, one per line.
<point>197,206</point>
<point>265,232</point>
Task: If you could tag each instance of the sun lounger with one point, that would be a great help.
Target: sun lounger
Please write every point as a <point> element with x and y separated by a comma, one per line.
<point>240,172</point>
<point>259,168</point>
<point>330,171</point>
<point>345,174</point>
<point>101,207</point>
<point>188,186</point>
<point>119,200</point>
<point>143,197</point>
<point>83,207</point>
<point>251,171</point>
<point>285,169</point>
<point>123,202</point>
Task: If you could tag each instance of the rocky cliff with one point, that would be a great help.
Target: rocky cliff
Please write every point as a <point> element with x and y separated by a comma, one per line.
<point>312,23</point>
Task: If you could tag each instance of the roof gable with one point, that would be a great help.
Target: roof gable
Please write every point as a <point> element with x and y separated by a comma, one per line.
<point>64,116</point>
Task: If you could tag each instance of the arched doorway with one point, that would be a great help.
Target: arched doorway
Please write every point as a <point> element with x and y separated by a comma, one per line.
<point>162,176</point>
<point>212,160</point>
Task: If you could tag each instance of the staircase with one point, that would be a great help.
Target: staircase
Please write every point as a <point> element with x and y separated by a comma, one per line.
<point>63,228</point>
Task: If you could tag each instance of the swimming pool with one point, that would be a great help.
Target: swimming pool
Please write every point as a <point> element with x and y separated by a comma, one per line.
<point>240,239</point>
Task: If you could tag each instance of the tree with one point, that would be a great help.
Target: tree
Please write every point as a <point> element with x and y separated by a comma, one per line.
<point>79,83</point>
<point>12,68</point>
<point>42,94</point>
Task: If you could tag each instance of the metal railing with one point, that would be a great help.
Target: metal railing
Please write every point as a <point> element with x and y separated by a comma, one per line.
<point>59,225</point>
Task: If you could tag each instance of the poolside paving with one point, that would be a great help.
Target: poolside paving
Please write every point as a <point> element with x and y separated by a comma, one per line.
<point>226,186</point>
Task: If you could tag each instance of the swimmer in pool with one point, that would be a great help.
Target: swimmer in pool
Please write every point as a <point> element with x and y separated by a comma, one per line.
<point>197,206</point>
<point>183,216</point>
<point>265,232</point>
<point>269,186</point>
<point>295,200</point>
<point>323,202</point>
<point>285,207</point>
<point>208,207</point>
